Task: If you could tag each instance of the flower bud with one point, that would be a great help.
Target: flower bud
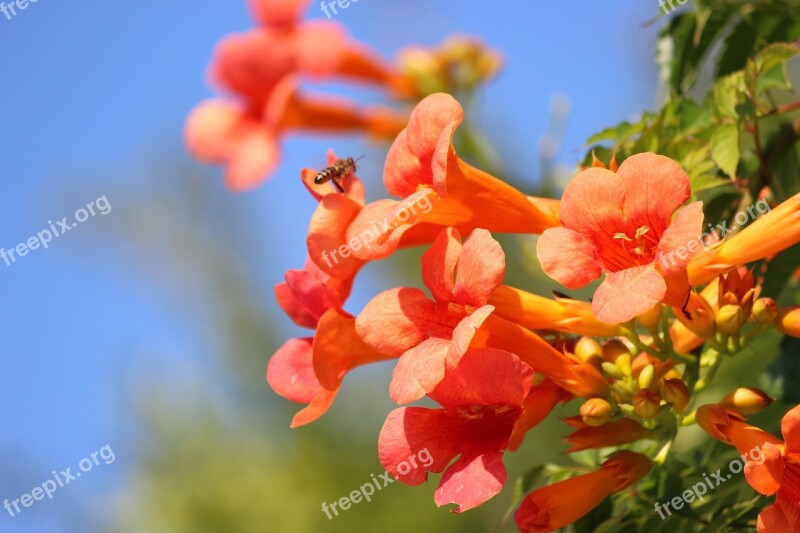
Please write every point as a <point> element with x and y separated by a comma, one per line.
<point>676,393</point>
<point>701,321</point>
<point>765,310</point>
<point>646,403</point>
<point>623,362</point>
<point>613,349</point>
<point>588,349</point>
<point>746,400</point>
<point>596,412</point>
<point>651,318</point>
<point>730,319</point>
<point>612,370</point>
<point>646,376</point>
<point>788,321</point>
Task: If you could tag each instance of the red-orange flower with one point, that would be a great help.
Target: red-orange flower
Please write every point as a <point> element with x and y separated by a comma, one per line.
<point>616,433</point>
<point>560,504</point>
<point>775,470</point>
<point>405,322</point>
<point>620,223</point>
<point>429,333</point>
<point>482,400</point>
<point>438,191</point>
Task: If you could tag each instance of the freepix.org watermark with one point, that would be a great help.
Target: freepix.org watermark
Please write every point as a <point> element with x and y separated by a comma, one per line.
<point>366,238</point>
<point>365,491</point>
<point>101,206</point>
<point>59,481</point>
<point>714,233</point>
<point>701,488</point>
<point>10,9</point>
<point>343,4</point>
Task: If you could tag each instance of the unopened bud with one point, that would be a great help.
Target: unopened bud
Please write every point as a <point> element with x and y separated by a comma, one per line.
<point>613,349</point>
<point>646,376</point>
<point>596,412</point>
<point>623,362</point>
<point>612,370</point>
<point>788,321</point>
<point>646,403</point>
<point>746,400</point>
<point>765,310</point>
<point>676,393</point>
<point>730,319</point>
<point>651,318</point>
<point>588,349</point>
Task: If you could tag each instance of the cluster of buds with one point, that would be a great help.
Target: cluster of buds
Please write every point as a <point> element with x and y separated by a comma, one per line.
<point>459,64</point>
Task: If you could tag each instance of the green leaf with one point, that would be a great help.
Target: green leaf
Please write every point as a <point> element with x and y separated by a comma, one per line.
<point>725,148</point>
<point>728,92</point>
<point>768,69</point>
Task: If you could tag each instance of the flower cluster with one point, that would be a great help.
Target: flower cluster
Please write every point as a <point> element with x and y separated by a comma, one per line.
<point>262,73</point>
<point>497,359</point>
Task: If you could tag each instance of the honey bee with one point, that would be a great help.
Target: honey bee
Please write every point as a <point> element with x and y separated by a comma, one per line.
<point>335,173</point>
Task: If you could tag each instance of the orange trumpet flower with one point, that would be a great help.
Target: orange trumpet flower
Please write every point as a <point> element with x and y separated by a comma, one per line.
<point>560,504</point>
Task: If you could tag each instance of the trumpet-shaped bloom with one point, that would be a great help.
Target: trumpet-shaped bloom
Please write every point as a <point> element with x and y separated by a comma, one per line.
<point>310,370</point>
<point>770,234</point>
<point>616,433</point>
<point>261,69</point>
<point>560,504</point>
<point>482,400</point>
<point>247,139</point>
<point>429,334</point>
<point>556,314</point>
<point>438,190</point>
<point>405,322</point>
<point>621,224</point>
<point>776,470</point>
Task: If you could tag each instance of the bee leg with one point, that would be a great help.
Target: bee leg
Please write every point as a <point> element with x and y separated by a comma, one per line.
<point>338,186</point>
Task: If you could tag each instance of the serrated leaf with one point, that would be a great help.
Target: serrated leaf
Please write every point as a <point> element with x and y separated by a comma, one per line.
<point>725,148</point>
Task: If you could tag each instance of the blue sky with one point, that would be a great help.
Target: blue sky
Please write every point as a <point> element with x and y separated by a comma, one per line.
<point>92,90</point>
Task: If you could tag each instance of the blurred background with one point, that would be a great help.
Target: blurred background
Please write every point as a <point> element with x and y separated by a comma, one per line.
<point>149,329</point>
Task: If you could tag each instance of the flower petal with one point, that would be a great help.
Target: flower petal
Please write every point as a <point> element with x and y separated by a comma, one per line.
<point>399,319</point>
<point>683,233</point>
<point>783,516</point>
<point>290,372</point>
<point>790,427</point>
<point>485,376</point>
<point>471,481</point>
<point>765,477</point>
<point>628,293</point>
<point>654,187</point>
<point>408,163</point>
<point>481,267</point>
<point>338,349</point>
<point>567,257</point>
<point>419,370</point>
<point>439,265</point>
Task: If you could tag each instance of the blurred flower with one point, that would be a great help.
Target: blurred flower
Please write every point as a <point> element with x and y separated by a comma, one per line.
<point>621,223</point>
<point>788,321</point>
<point>560,504</point>
<point>261,69</point>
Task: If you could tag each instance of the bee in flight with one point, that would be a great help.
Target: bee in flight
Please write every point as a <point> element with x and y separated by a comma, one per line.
<point>339,170</point>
